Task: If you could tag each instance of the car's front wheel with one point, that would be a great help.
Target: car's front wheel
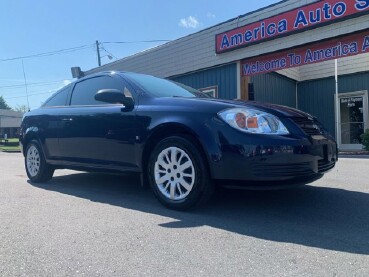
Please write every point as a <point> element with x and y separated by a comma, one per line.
<point>178,174</point>
<point>36,167</point>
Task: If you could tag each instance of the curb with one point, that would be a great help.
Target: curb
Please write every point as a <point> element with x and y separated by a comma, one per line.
<point>361,156</point>
<point>10,151</point>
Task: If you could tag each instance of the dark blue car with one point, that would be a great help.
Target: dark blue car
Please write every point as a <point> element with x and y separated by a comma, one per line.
<point>182,142</point>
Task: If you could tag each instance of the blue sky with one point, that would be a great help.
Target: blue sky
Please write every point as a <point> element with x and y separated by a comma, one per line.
<point>39,26</point>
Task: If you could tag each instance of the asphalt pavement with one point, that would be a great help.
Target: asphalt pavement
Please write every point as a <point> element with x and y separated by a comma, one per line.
<point>83,224</point>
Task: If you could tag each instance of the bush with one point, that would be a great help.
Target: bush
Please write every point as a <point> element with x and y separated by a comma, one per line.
<point>365,139</point>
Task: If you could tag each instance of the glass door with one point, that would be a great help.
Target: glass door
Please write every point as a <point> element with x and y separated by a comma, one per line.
<point>353,119</point>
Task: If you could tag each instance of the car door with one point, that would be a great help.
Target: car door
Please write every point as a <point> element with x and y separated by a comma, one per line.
<point>50,123</point>
<point>97,134</point>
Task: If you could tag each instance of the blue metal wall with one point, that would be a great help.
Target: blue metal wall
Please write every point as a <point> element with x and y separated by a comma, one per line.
<point>353,82</point>
<point>275,88</point>
<point>225,77</point>
<point>317,96</point>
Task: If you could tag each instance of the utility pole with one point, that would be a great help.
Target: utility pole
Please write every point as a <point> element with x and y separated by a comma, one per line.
<point>25,83</point>
<point>98,53</point>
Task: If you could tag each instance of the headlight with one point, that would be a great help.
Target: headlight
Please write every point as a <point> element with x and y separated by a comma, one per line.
<point>253,121</point>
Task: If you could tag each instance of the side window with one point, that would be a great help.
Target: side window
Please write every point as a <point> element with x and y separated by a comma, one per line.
<point>59,98</point>
<point>84,92</point>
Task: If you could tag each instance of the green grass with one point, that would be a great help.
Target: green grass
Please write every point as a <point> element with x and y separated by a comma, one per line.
<point>10,148</point>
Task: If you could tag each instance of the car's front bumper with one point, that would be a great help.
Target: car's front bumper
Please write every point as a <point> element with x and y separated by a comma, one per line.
<point>250,157</point>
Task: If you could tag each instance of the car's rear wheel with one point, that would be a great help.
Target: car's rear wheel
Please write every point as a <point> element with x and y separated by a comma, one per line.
<point>178,174</point>
<point>36,167</point>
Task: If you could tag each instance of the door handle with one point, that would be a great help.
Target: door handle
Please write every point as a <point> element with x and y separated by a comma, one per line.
<point>67,119</point>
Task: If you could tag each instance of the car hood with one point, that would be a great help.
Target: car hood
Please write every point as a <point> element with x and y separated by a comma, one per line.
<point>214,105</point>
<point>278,110</point>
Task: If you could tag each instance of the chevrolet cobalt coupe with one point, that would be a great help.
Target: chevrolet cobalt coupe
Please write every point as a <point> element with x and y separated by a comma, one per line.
<point>180,141</point>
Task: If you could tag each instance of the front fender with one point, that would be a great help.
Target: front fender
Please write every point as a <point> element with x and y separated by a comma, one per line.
<point>196,128</point>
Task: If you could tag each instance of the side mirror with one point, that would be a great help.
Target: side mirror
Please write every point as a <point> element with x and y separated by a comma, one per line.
<point>114,96</point>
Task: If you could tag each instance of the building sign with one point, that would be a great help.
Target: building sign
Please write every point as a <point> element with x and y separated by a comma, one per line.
<point>350,102</point>
<point>317,52</point>
<point>307,17</point>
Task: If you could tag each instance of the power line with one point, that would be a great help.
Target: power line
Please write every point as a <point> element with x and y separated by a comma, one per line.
<point>33,92</point>
<point>11,93</point>
<point>109,53</point>
<point>51,53</point>
<point>78,48</point>
<point>22,96</point>
<point>32,84</point>
<point>11,90</point>
<point>100,45</point>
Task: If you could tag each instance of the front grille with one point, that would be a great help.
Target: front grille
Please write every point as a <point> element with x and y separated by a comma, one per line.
<point>304,169</point>
<point>310,127</point>
<point>281,170</point>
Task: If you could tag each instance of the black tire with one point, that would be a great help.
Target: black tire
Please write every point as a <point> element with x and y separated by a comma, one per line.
<point>37,169</point>
<point>183,182</point>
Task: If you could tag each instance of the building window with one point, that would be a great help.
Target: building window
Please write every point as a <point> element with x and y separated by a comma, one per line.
<point>211,91</point>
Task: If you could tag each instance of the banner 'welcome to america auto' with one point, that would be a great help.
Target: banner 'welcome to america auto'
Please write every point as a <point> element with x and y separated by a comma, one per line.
<point>298,20</point>
<point>313,53</point>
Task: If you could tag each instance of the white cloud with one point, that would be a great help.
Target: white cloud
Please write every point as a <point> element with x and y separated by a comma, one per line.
<point>210,15</point>
<point>66,82</point>
<point>189,22</point>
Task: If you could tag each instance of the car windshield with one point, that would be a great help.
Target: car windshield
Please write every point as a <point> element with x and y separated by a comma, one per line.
<point>160,87</point>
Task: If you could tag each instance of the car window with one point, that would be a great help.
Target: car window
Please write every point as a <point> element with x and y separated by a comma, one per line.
<point>59,98</point>
<point>159,87</point>
<point>84,91</point>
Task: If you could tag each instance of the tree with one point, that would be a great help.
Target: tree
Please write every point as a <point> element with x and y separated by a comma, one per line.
<point>21,108</point>
<point>365,139</point>
<point>3,104</point>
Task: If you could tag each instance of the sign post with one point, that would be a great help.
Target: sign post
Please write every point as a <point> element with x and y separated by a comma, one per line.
<point>338,137</point>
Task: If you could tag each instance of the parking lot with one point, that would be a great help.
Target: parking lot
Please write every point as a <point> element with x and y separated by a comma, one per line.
<point>102,225</point>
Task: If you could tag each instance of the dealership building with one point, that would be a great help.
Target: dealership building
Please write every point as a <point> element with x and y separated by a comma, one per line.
<point>296,53</point>
<point>10,122</point>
